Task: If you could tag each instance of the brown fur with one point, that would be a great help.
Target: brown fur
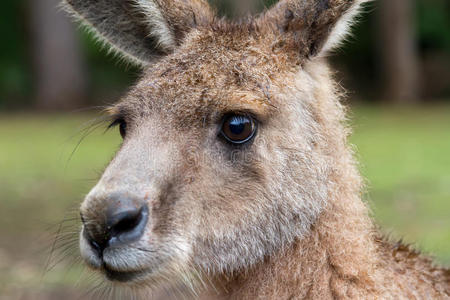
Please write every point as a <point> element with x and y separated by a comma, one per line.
<point>279,218</point>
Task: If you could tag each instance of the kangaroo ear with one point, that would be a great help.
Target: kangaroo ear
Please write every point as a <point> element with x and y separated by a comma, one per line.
<point>313,26</point>
<point>141,30</point>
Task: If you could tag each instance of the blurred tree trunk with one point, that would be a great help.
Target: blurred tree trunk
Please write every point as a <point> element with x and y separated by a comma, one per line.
<point>58,65</point>
<point>398,54</point>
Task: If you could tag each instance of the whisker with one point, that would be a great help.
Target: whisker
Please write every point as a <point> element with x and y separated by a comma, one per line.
<point>90,129</point>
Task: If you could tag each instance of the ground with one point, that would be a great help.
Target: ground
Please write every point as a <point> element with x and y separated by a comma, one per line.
<point>404,154</point>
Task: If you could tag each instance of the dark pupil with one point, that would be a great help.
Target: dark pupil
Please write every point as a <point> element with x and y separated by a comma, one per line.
<point>237,125</point>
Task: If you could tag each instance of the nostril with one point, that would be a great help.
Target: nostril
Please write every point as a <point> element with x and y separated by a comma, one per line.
<point>125,221</point>
<point>125,224</point>
<point>96,247</point>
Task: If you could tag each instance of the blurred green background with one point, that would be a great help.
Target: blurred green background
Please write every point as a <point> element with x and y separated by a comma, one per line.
<point>54,77</point>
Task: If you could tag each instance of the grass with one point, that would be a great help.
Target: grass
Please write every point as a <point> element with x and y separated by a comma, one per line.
<point>404,155</point>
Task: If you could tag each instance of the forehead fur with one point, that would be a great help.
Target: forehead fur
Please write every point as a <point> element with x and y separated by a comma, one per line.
<point>223,67</point>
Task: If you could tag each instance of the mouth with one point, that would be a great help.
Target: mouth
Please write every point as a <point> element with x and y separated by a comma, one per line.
<point>95,258</point>
<point>123,276</point>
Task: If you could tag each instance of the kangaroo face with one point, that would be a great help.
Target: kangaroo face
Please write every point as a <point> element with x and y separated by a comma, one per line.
<point>222,161</point>
<point>212,150</point>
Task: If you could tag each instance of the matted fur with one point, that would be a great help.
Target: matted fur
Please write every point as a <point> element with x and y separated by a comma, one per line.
<point>278,218</point>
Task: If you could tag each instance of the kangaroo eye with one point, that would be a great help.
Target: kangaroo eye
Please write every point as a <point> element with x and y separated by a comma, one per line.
<point>238,129</point>
<point>122,126</point>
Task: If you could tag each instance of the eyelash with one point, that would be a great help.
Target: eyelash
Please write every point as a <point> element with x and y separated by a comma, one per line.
<point>115,122</point>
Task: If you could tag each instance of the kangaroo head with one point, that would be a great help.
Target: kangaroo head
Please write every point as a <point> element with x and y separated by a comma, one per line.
<point>228,138</point>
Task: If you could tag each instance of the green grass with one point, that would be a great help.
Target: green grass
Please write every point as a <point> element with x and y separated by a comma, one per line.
<point>41,183</point>
<point>37,169</point>
<point>404,154</point>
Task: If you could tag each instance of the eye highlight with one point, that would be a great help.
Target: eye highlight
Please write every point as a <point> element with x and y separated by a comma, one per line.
<point>238,128</point>
<point>122,126</point>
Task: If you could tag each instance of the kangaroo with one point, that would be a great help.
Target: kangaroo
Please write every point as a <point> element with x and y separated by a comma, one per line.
<point>235,177</point>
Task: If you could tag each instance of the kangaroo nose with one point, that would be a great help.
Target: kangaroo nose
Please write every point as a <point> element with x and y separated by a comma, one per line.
<point>125,223</point>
